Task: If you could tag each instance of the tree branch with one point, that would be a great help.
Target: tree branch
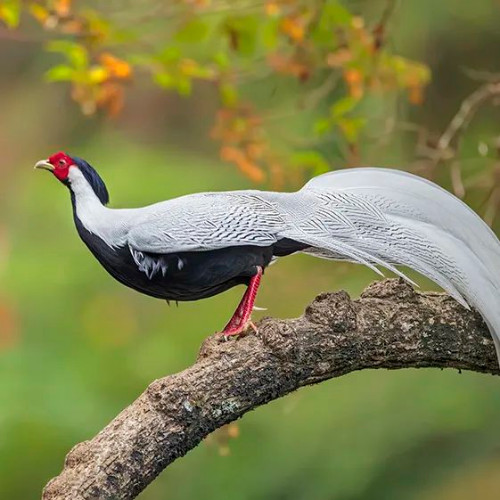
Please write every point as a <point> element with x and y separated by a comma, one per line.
<point>390,326</point>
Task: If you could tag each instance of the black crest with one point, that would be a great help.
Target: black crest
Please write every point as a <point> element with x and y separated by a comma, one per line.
<point>93,179</point>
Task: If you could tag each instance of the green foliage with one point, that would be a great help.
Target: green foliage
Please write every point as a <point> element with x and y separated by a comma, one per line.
<point>61,73</point>
<point>194,31</point>
<point>75,53</point>
<point>293,40</point>
<point>242,34</point>
<point>311,160</point>
<point>343,106</point>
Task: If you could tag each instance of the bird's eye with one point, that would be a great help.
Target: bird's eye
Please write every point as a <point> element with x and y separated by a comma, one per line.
<point>62,162</point>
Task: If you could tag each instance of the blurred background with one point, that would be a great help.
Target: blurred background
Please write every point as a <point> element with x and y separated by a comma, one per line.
<point>76,347</point>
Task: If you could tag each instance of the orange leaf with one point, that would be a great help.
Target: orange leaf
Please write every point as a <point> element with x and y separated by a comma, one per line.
<point>62,7</point>
<point>231,154</point>
<point>246,166</point>
<point>277,176</point>
<point>415,94</point>
<point>117,67</point>
<point>254,150</point>
<point>110,97</point>
<point>289,66</point>
<point>339,58</point>
<point>292,27</point>
<point>272,9</point>
<point>353,76</point>
<point>354,80</point>
<point>199,3</point>
<point>251,170</point>
<point>73,26</point>
<point>83,95</point>
<point>221,437</point>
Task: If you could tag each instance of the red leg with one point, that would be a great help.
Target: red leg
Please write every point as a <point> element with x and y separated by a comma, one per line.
<point>241,317</point>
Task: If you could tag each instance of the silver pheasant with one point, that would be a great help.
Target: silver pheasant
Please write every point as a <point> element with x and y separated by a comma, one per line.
<point>202,244</point>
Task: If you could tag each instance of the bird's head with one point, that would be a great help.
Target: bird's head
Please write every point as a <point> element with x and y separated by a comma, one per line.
<point>71,170</point>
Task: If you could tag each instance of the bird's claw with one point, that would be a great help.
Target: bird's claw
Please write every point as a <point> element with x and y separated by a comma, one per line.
<point>239,331</point>
<point>256,308</point>
<point>251,324</point>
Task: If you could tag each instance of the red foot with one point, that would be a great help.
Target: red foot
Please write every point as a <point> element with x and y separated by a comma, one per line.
<point>242,316</point>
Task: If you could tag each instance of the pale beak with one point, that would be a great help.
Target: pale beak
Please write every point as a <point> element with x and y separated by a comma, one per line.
<point>45,165</point>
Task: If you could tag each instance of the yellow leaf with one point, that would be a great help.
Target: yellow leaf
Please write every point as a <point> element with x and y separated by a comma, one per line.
<point>10,12</point>
<point>357,22</point>
<point>98,74</point>
<point>39,12</point>
<point>188,67</point>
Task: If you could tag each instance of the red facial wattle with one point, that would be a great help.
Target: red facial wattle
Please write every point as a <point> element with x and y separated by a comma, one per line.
<point>61,163</point>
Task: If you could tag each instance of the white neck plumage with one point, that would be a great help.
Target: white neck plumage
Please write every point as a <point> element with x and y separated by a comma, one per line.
<point>110,225</point>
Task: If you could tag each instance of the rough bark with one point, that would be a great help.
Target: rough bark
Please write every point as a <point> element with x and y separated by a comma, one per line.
<point>390,326</point>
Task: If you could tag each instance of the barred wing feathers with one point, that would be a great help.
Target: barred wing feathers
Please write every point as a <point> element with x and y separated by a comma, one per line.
<point>208,221</point>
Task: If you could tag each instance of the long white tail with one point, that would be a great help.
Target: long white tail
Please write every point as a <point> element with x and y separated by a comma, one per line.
<point>377,216</point>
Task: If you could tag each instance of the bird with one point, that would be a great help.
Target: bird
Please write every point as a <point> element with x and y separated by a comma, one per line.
<point>199,245</point>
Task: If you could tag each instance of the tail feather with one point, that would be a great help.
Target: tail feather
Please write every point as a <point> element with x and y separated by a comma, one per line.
<point>387,217</point>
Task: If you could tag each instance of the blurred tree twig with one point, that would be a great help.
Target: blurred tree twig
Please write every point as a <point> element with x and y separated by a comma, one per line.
<point>468,108</point>
<point>445,149</point>
<point>390,326</point>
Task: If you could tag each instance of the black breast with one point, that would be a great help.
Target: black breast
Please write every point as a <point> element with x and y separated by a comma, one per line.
<point>186,275</point>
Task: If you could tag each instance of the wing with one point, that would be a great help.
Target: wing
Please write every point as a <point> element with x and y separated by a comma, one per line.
<point>207,221</point>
